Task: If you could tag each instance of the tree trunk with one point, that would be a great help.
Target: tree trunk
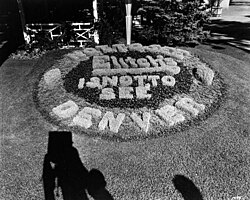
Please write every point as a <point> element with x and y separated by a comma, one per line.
<point>23,23</point>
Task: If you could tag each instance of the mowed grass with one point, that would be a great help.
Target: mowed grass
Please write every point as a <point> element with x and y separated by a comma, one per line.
<point>215,154</point>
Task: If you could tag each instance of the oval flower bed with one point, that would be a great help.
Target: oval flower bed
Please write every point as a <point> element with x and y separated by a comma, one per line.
<point>128,92</point>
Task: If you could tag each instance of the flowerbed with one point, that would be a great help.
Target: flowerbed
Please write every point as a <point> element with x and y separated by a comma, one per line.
<point>128,92</point>
<point>159,86</point>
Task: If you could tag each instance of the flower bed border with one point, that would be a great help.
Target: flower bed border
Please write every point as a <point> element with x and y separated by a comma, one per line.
<point>162,131</point>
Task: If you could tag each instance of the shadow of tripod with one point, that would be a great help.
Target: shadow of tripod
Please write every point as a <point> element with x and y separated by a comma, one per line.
<point>62,168</point>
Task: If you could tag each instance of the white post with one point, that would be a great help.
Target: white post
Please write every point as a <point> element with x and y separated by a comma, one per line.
<point>95,13</point>
<point>128,5</point>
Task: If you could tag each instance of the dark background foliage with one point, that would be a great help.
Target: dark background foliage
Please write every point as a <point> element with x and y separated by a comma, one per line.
<point>168,22</point>
<point>56,11</point>
<point>165,22</point>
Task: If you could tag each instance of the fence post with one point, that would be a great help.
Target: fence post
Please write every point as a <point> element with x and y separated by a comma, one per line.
<point>128,5</point>
<point>95,13</point>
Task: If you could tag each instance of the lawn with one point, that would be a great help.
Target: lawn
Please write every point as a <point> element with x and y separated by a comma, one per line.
<point>215,154</point>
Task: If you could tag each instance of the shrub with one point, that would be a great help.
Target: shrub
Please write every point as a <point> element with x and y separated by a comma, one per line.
<point>173,22</point>
<point>111,19</point>
<point>167,22</point>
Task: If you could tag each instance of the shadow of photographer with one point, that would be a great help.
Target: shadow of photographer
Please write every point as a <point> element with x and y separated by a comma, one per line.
<point>186,187</point>
<point>65,175</point>
<point>62,168</point>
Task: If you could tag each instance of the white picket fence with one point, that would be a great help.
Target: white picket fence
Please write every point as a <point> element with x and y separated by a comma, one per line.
<point>84,31</point>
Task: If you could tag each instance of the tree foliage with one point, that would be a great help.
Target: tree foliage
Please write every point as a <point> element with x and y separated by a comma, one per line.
<point>111,21</point>
<point>169,22</point>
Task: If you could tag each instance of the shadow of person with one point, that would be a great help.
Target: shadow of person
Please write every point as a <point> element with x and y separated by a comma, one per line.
<point>187,188</point>
<point>62,168</point>
<point>96,186</point>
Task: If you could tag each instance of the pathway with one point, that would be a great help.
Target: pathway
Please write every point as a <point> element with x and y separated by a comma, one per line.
<point>233,27</point>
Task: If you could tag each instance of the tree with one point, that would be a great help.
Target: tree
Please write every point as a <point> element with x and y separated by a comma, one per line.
<point>167,22</point>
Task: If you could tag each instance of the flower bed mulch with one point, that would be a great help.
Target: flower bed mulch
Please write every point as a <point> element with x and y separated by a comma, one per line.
<point>159,93</point>
<point>186,86</point>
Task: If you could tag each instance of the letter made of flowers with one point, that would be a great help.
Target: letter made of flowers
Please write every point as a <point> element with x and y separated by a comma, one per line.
<point>66,110</point>
<point>170,114</point>
<point>113,123</point>
<point>84,117</point>
<point>190,106</point>
<point>143,122</point>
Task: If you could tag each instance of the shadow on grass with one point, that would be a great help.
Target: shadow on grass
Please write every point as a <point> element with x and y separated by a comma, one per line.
<point>187,188</point>
<point>236,30</point>
<point>230,31</point>
<point>63,169</point>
